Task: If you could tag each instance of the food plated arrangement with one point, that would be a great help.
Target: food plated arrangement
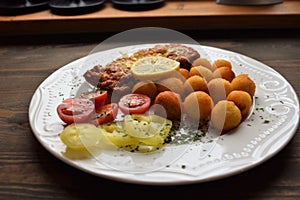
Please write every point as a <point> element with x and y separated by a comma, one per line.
<point>139,102</point>
<point>189,149</point>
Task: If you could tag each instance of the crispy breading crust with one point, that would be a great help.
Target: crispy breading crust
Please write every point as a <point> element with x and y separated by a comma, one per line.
<point>171,103</point>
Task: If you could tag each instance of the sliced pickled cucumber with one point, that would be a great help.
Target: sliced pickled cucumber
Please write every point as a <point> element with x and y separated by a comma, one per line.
<point>145,125</point>
<point>115,133</point>
<point>81,136</point>
<point>140,132</point>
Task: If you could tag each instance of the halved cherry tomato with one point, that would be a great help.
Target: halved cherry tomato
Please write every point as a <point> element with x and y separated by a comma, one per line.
<point>134,104</point>
<point>99,97</point>
<point>76,110</point>
<point>106,114</point>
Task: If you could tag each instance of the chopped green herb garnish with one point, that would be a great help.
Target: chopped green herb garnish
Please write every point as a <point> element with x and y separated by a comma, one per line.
<point>260,109</point>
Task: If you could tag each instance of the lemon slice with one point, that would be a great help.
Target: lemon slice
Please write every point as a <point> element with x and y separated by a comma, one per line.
<point>154,68</point>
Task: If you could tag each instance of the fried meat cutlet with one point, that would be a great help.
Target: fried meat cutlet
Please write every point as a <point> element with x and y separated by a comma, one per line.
<point>107,77</point>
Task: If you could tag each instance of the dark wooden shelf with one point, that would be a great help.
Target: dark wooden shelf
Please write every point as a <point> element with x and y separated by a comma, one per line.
<point>180,15</point>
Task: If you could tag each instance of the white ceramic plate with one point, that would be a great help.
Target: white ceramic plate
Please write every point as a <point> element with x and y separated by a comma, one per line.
<point>271,126</point>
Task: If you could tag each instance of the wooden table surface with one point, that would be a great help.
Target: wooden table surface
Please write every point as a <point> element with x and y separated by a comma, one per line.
<point>29,171</point>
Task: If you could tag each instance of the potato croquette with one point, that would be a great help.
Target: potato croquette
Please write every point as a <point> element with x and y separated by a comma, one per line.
<point>219,88</point>
<point>203,62</point>
<point>195,83</point>
<point>170,84</point>
<point>224,72</point>
<point>198,105</point>
<point>242,100</point>
<point>221,63</point>
<point>243,82</point>
<point>171,102</point>
<point>201,71</point>
<point>147,88</point>
<point>185,73</point>
<point>225,116</point>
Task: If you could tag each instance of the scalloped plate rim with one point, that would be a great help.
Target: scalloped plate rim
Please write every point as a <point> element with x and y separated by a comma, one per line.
<point>136,179</point>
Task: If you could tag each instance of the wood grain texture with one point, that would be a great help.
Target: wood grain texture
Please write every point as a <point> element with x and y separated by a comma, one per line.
<point>28,171</point>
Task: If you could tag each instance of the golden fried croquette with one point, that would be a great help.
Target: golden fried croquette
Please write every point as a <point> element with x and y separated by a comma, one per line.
<point>171,102</point>
<point>225,116</point>
<point>221,63</point>
<point>224,72</point>
<point>242,100</point>
<point>203,62</point>
<point>219,88</point>
<point>195,83</point>
<point>184,72</point>
<point>202,71</point>
<point>245,83</point>
<point>170,84</point>
<point>147,88</point>
<point>198,105</point>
